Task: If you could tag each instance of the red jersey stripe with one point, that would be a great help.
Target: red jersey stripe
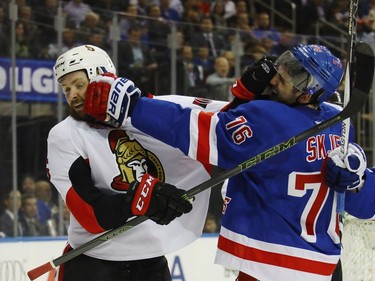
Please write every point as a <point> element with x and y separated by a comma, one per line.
<point>82,211</point>
<point>203,152</point>
<point>271,258</point>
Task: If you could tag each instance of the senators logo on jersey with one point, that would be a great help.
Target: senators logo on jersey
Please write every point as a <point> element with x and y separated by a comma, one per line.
<point>133,160</point>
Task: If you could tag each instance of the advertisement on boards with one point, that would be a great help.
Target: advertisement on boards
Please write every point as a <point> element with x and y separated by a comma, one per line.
<point>192,263</point>
<point>33,81</point>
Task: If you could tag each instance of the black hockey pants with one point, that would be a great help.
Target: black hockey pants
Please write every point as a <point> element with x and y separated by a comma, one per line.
<point>84,267</point>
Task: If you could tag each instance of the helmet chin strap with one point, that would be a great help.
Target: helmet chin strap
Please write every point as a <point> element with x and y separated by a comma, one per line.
<point>312,100</point>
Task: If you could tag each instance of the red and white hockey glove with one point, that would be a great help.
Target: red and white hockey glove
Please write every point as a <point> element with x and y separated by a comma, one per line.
<point>346,173</point>
<point>160,202</point>
<point>110,99</point>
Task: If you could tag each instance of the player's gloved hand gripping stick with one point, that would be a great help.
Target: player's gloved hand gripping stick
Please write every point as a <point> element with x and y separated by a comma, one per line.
<point>160,202</point>
<point>346,173</point>
<point>359,97</point>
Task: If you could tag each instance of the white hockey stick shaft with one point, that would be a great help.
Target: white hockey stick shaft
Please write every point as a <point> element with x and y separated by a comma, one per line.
<point>345,131</point>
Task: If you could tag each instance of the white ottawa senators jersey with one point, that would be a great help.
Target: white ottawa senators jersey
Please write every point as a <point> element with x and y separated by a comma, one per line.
<point>117,157</point>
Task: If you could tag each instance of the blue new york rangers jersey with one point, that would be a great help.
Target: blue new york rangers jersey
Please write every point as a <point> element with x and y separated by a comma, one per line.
<point>279,218</point>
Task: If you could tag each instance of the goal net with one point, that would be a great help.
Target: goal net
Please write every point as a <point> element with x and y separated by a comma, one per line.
<point>358,250</point>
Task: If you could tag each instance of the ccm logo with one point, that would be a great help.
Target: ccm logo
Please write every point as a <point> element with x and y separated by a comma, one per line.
<point>115,93</point>
<point>144,195</point>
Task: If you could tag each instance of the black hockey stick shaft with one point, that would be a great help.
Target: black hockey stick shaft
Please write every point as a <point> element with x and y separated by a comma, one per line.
<point>354,106</point>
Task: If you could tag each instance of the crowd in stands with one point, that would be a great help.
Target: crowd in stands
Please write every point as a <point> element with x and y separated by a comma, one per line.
<point>36,208</point>
<point>205,63</point>
<point>207,27</point>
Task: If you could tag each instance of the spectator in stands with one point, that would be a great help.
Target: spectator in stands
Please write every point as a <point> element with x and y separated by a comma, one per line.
<point>99,40</point>
<point>68,42</point>
<point>268,45</point>
<point>229,55</point>
<point>32,31</point>
<point>7,218</point>
<point>308,15</point>
<point>46,207</point>
<point>22,45</point>
<point>242,23</point>
<point>208,37</point>
<point>158,30</point>
<point>105,8</point>
<point>191,19</point>
<point>217,16</point>
<point>130,19</point>
<point>252,53</point>
<point>229,8</point>
<point>29,217</point>
<point>287,40</point>
<point>45,17</point>
<point>202,58</point>
<point>178,6</point>
<point>76,11</point>
<point>262,28</point>
<point>142,7</point>
<point>28,184</point>
<point>340,14</point>
<point>203,7</point>
<point>167,12</point>
<point>92,24</point>
<point>190,77</point>
<point>136,60</point>
<point>241,7</point>
<point>219,82</point>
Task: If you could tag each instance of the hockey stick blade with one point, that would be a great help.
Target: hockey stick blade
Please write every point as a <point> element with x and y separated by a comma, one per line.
<point>363,66</point>
<point>355,105</point>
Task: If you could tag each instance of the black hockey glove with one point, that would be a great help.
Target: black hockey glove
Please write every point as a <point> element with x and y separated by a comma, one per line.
<point>253,82</point>
<point>160,202</point>
<point>255,79</point>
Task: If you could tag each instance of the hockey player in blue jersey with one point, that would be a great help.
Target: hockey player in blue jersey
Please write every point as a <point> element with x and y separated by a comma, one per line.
<point>279,220</point>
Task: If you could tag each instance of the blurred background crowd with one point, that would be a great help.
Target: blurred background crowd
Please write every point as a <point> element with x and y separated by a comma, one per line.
<point>214,42</point>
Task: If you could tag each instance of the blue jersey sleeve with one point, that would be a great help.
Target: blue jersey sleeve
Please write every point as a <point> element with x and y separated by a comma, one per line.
<point>163,120</point>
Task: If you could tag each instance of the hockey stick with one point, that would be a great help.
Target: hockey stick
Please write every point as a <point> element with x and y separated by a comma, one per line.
<point>354,106</point>
<point>352,32</point>
<point>364,58</point>
<point>345,128</point>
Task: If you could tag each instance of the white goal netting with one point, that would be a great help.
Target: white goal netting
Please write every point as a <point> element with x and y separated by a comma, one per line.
<point>358,253</point>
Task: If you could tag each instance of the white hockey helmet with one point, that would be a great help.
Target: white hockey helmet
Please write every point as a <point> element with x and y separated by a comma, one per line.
<point>86,57</point>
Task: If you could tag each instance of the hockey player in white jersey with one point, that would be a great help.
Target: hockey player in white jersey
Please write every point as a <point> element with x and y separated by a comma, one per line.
<point>107,176</point>
<point>279,220</point>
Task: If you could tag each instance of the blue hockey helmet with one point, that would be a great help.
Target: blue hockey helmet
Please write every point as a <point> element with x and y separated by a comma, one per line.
<point>312,69</point>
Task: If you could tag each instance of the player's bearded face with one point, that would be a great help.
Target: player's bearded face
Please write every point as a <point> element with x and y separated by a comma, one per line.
<point>283,89</point>
<point>74,86</point>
